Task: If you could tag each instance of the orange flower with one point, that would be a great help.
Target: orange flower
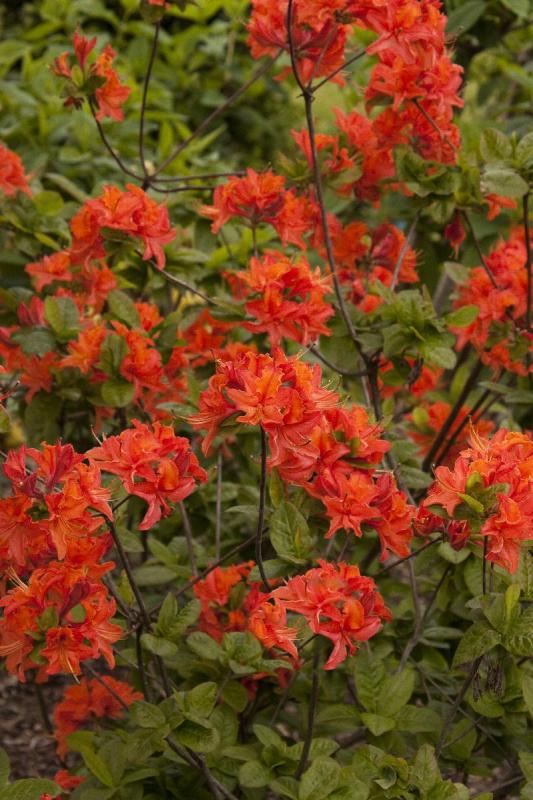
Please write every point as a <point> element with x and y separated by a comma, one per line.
<point>130,212</point>
<point>13,179</point>
<point>153,464</point>
<point>86,701</point>
<point>494,478</point>
<point>51,268</point>
<point>285,297</point>
<point>338,603</point>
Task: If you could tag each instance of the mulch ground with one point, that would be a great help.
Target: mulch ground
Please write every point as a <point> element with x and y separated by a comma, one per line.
<point>23,734</point>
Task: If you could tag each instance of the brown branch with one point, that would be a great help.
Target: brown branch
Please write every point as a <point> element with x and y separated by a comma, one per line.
<point>263,69</point>
<point>146,86</point>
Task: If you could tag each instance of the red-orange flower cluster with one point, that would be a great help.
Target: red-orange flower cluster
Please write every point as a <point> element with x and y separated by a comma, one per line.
<point>13,179</point>
<point>330,451</point>
<point>336,601</point>
<point>99,81</point>
<point>491,488</point>
<point>131,213</point>
<point>285,297</point>
<point>262,198</point>
<point>89,700</point>
<point>152,463</point>
<point>498,333</point>
<point>60,618</point>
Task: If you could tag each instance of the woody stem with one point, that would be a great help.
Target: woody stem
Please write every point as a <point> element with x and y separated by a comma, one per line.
<point>529,259</point>
<point>307,94</point>
<point>313,700</point>
<point>263,69</point>
<point>129,572</point>
<point>105,141</point>
<point>261,518</point>
<point>146,86</point>
<point>218,504</point>
<point>452,416</point>
<point>453,710</point>
<point>189,538</point>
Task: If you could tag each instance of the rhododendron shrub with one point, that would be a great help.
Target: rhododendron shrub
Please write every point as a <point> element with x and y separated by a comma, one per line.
<point>266,364</point>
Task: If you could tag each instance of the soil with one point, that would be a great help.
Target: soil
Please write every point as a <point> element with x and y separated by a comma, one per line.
<point>23,734</point>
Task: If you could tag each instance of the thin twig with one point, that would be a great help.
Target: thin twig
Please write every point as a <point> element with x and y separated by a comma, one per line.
<point>479,250</point>
<point>317,180</point>
<point>183,285</point>
<point>453,437</point>
<point>209,569</point>
<point>237,173</point>
<point>405,246</point>
<point>529,259</point>
<point>188,537</point>
<point>452,416</point>
<point>313,700</point>
<point>414,554</point>
<point>453,710</point>
<point>339,370</point>
<point>129,572</point>
<point>261,516</point>
<point>43,708</point>
<point>114,155</point>
<point>419,624</point>
<point>263,69</point>
<point>146,86</point>
<point>331,75</point>
<point>218,503</point>
<point>434,125</point>
<point>179,189</point>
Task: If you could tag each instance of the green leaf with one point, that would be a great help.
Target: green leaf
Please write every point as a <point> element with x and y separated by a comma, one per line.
<point>173,621</point>
<point>525,574</point>
<point>425,772</point>
<point>320,779</point>
<point>269,737</point>
<point>201,700</point>
<point>395,692</point>
<point>495,145</point>
<point>63,316</point>
<point>29,789</point>
<point>504,181</point>
<point>48,203</point>
<point>112,352</point>
<point>377,724</point>
<point>158,646</point>
<point>457,272</point>
<point>199,737</point>
<point>35,341</point>
<point>413,719</point>
<point>276,489</point>
<point>4,767</point>
<point>204,646</point>
<point>117,393</point>
<point>123,308</point>
<point>97,766</point>
<point>442,357</point>
<point>254,775</point>
<point>524,149</point>
<point>477,640</point>
<point>519,639</point>
<point>527,691</point>
<point>289,534</point>
<point>369,674</point>
<point>147,715</point>
<point>462,317</point>
<point>235,695</point>
<point>519,7</point>
<point>465,16</point>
